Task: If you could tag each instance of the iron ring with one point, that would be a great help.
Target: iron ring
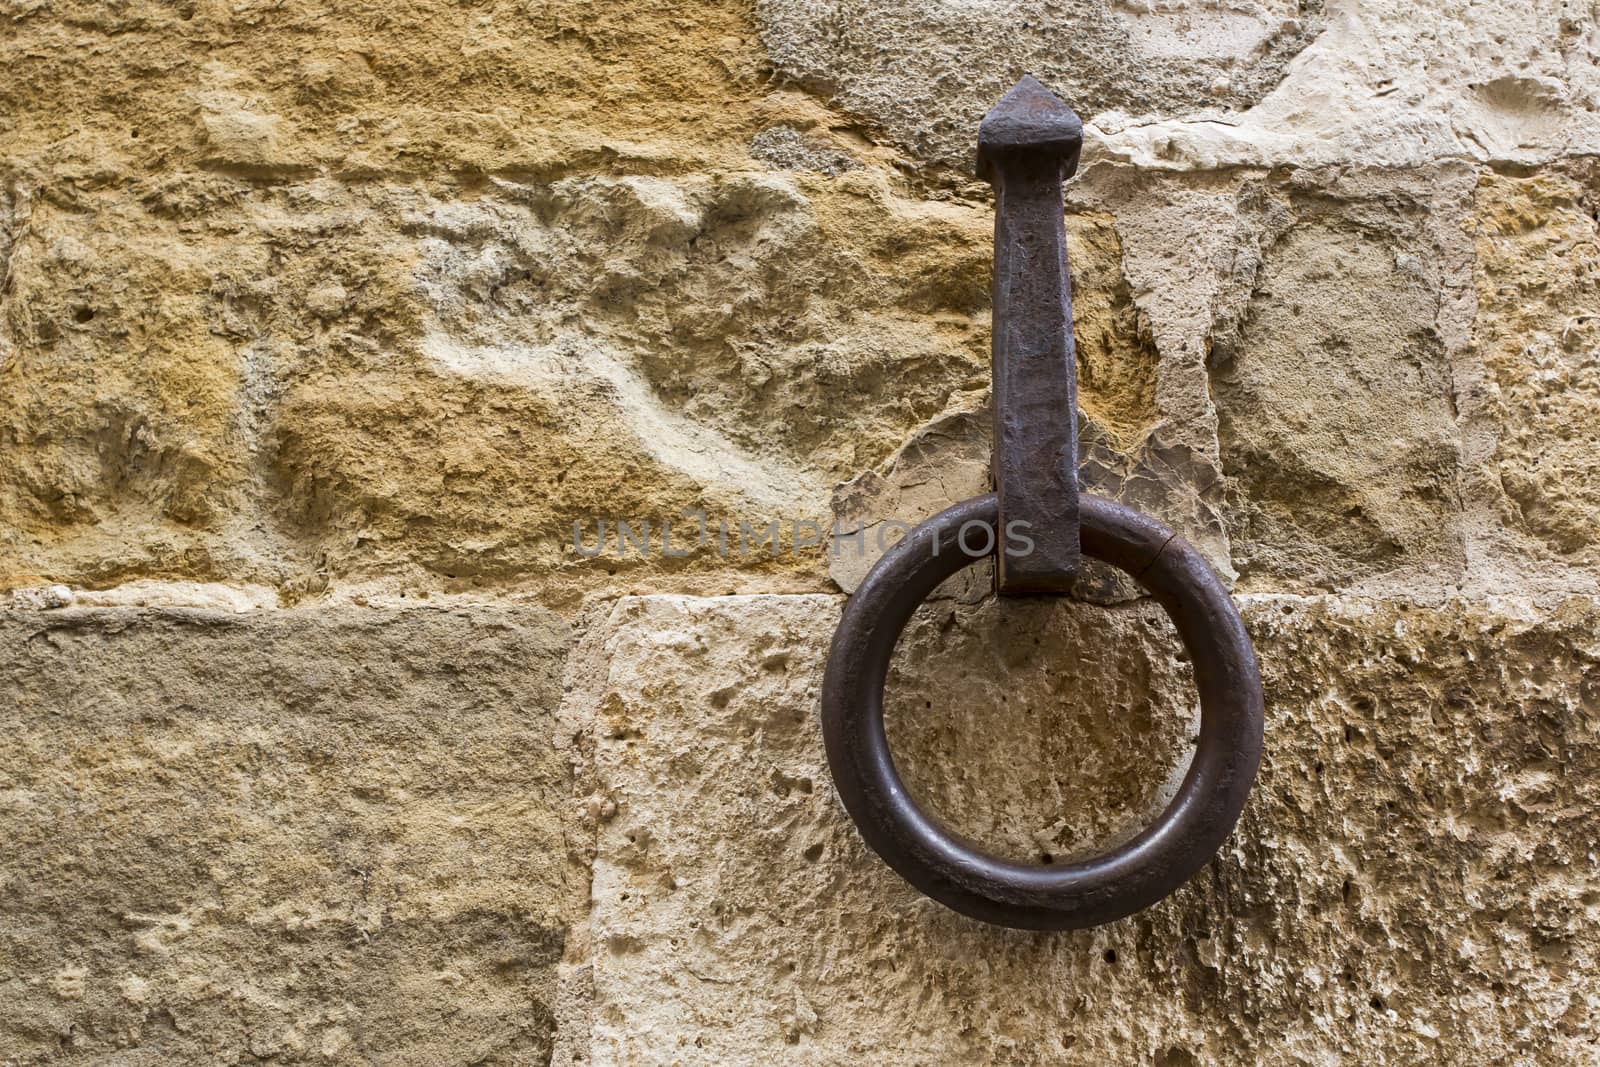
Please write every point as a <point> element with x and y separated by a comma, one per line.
<point>1102,888</point>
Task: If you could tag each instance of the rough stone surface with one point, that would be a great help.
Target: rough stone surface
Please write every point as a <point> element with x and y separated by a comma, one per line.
<point>1333,379</point>
<point>1193,85</point>
<point>324,327</point>
<point>344,305</point>
<point>1413,881</point>
<point>1538,249</point>
<point>440,389</point>
<point>928,72</point>
<point>295,837</point>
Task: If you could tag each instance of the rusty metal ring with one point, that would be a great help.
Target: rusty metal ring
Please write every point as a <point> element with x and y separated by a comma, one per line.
<point>1099,889</point>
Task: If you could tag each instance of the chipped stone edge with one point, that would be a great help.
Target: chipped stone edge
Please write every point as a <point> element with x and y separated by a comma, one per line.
<point>584,679</point>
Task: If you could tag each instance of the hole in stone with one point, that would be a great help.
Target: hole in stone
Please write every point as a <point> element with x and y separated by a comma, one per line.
<point>1042,729</point>
<point>813,854</point>
<point>82,314</point>
<point>1111,955</point>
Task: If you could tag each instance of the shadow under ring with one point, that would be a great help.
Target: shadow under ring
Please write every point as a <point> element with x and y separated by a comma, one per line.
<point>1100,888</point>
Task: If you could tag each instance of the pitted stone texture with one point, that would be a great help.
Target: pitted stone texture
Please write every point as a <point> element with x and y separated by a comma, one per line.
<point>399,294</point>
<point>1538,333</point>
<point>1332,369</point>
<point>787,148</point>
<point>120,408</point>
<point>335,837</point>
<point>307,382</point>
<point>1191,85</point>
<point>1042,728</point>
<point>928,72</point>
<point>370,87</point>
<point>1428,874</point>
<point>1413,880</point>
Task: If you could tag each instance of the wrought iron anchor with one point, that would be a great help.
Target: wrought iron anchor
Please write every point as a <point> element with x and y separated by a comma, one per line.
<point>1027,145</point>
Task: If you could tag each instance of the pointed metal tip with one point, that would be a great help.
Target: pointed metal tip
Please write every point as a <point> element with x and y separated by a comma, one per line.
<point>1030,119</point>
<point>1029,96</point>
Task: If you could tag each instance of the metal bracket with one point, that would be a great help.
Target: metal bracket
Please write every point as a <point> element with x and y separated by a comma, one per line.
<point>1027,145</point>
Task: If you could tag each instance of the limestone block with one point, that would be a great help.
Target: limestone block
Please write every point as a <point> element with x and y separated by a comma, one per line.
<point>298,383</point>
<point>334,837</point>
<point>626,350</point>
<point>1412,880</point>
<point>1195,85</point>
<point>119,407</point>
<point>1538,333</point>
<point>928,72</point>
<point>1333,369</point>
<point>369,88</point>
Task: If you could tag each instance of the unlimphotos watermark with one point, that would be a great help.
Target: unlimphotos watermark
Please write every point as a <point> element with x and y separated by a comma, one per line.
<point>693,532</point>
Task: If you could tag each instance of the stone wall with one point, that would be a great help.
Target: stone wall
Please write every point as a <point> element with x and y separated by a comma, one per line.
<point>322,326</point>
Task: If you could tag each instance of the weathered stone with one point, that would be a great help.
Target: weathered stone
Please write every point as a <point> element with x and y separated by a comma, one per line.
<point>927,73</point>
<point>440,390</point>
<point>357,301</point>
<point>370,88</point>
<point>1191,85</point>
<point>120,411</point>
<point>340,837</point>
<point>1538,333</point>
<point>625,351</point>
<point>1332,376</point>
<point>789,149</point>
<point>1411,882</point>
<point>369,303</point>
